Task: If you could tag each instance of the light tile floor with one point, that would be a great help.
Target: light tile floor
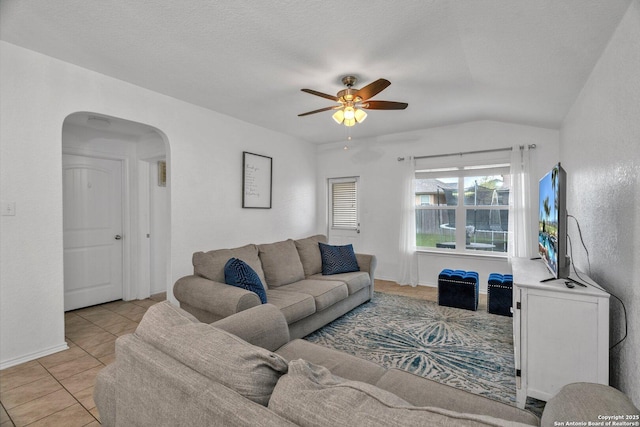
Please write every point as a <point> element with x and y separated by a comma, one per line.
<point>57,390</point>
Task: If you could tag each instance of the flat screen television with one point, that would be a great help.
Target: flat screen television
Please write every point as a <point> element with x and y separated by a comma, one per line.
<point>552,222</point>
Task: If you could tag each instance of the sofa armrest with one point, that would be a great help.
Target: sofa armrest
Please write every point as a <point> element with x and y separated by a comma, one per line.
<point>209,301</point>
<point>104,395</point>
<point>263,326</point>
<point>585,402</point>
<point>367,263</point>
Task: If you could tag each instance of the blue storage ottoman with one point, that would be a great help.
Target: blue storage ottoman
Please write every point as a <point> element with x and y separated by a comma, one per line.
<point>500,294</point>
<point>458,288</point>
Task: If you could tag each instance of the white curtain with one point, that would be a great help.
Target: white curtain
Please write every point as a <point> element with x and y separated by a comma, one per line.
<point>521,236</point>
<point>408,264</point>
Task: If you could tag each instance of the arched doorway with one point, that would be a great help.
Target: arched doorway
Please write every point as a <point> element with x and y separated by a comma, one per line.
<point>116,210</point>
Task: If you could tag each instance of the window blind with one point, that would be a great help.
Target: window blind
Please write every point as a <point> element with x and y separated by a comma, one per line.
<point>344,204</point>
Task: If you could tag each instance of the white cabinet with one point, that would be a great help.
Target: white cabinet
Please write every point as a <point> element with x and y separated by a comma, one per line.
<point>560,334</point>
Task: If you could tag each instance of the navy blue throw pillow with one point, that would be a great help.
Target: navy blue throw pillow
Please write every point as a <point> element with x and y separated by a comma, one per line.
<point>338,259</point>
<point>239,273</point>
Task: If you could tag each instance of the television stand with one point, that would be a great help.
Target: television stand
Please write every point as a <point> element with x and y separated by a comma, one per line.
<point>560,334</point>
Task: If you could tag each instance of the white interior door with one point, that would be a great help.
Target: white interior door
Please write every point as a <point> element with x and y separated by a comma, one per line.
<point>93,249</point>
<point>344,216</point>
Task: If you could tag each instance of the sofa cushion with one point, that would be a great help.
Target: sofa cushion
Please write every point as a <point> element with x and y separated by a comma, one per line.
<point>420,391</point>
<point>210,265</point>
<point>238,273</point>
<point>294,305</point>
<point>355,280</point>
<point>324,292</point>
<point>338,259</point>
<point>218,355</point>
<point>339,363</point>
<point>309,252</point>
<point>281,263</point>
<point>310,395</point>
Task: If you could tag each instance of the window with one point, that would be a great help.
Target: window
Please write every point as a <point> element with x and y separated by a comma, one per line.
<point>343,203</point>
<point>467,208</point>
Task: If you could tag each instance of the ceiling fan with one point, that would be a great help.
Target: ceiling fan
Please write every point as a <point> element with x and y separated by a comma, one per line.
<point>352,102</point>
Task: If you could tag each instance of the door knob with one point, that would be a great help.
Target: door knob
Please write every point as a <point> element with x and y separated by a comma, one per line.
<point>118,237</point>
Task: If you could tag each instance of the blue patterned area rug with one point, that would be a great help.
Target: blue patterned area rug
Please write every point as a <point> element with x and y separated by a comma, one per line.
<point>471,350</point>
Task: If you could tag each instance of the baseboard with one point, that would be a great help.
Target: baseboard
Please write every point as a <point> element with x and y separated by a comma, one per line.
<point>419,283</point>
<point>32,356</point>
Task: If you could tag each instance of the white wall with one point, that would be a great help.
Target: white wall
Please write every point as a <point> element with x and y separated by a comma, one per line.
<point>375,161</point>
<point>205,157</point>
<point>600,150</point>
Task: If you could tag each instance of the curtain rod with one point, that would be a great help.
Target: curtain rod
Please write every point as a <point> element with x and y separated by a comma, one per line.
<point>530,147</point>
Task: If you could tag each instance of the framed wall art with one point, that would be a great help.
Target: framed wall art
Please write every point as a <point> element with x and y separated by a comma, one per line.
<point>162,173</point>
<point>257,173</point>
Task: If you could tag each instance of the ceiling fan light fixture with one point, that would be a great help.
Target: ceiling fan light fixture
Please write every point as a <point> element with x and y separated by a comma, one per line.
<point>360,115</point>
<point>338,116</point>
<point>349,113</point>
<point>352,102</point>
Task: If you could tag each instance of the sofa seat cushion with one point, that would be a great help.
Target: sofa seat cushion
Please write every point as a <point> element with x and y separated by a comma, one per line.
<point>249,370</point>
<point>294,305</point>
<point>355,280</point>
<point>281,263</point>
<point>342,364</point>
<point>325,292</point>
<point>309,252</point>
<point>210,265</point>
<point>310,395</point>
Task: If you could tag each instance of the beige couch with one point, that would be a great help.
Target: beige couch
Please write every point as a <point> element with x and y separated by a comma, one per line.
<point>244,371</point>
<point>290,270</point>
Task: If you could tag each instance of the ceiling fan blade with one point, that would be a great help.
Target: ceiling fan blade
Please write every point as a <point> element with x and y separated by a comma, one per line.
<point>372,89</point>
<point>384,105</point>
<point>320,110</point>
<point>323,95</point>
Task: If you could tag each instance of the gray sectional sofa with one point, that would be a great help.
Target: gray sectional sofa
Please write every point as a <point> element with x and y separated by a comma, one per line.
<point>290,270</point>
<point>243,370</point>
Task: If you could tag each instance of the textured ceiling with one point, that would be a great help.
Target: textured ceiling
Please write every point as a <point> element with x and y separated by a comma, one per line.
<point>518,61</point>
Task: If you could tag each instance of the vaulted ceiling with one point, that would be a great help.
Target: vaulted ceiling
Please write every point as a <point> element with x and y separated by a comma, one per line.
<point>517,61</point>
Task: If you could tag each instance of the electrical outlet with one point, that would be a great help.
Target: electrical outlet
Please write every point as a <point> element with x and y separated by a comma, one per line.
<point>8,208</point>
